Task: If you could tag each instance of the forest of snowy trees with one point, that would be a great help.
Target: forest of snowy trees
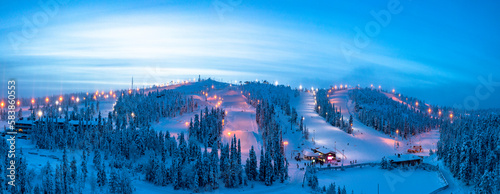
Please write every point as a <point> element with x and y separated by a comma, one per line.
<point>376,110</point>
<point>152,106</point>
<point>264,97</point>
<point>328,111</point>
<point>470,147</point>
<point>207,127</point>
<point>116,149</point>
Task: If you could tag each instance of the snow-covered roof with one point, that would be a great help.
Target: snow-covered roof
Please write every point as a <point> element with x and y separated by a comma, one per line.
<point>24,121</point>
<point>75,122</point>
<point>403,157</point>
<point>308,152</point>
<point>323,150</point>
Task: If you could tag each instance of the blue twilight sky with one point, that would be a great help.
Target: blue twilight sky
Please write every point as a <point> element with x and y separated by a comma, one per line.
<point>433,50</point>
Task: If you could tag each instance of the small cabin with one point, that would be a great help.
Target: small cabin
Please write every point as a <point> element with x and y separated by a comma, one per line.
<point>404,160</point>
<point>320,154</point>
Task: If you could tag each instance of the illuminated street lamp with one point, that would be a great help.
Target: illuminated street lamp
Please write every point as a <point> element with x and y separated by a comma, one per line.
<point>77,99</point>
<point>32,101</point>
<point>47,100</point>
<point>18,103</point>
<point>40,113</point>
<point>285,143</point>
<point>2,104</point>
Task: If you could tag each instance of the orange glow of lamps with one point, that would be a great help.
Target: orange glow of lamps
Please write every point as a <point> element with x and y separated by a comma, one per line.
<point>47,99</point>
<point>32,101</point>
<point>61,99</point>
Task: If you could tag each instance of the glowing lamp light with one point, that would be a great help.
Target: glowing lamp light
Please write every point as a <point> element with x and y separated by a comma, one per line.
<point>60,109</point>
<point>215,96</point>
<point>416,103</point>
<point>187,123</point>
<point>439,112</point>
<point>393,90</point>
<point>430,110</point>
<point>379,87</point>
<point>2,104</point>
<point>397,131</point>
<point>300,87</point>
<point>285,143</point>
<point>40,113</point>
<point>229,133</point>
<point>77,99</point>
<point>32,101</point>
<point>47,99</point>
<point>61,98</point>
<point>451,116</point>
<point>57,102</point>
<point>110,92</point>
<point>129,91</point>
<point>18,103</point>
<point>133,115</point>
<point>72,98</point>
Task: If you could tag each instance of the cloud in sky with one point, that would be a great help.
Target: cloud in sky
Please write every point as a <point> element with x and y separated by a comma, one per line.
<point>102,45</point>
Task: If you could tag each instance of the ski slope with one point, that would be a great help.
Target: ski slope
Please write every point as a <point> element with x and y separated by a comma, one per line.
<point>364,145</point>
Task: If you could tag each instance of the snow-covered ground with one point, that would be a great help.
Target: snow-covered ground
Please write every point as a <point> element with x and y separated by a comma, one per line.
<point>375,180</point>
